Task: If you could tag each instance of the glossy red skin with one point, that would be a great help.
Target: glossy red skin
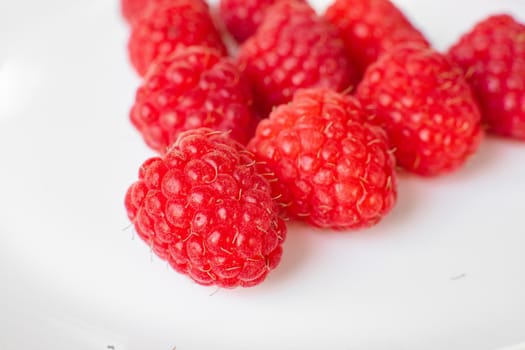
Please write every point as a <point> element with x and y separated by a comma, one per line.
<point>205,209</point>
<point>492,56</point>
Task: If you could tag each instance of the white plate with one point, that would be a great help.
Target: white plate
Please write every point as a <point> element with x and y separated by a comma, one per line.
<point>444,271</point>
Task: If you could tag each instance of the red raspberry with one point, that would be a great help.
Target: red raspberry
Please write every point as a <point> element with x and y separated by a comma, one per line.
<point>493,56</point>
<point>293,49</point>
<point>205,209</point>
<point>370,28</point>
<point>169,25</point>
<point>243,17</point>
<point>334,169</point>
<point>132,10</point>
<point>195,87</point>
<point>423,101</point>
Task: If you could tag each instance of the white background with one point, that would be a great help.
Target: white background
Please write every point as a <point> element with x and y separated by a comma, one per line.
<point>444,271</point>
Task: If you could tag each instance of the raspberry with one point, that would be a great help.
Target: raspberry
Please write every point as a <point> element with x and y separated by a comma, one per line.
<point>194,87</point>
<point>132,10</point>
<point>492,55</point>
<point>292,49</point>
<point>205,209</point>
<point>371,28</point>
<point>169,25</point>
<point>243,17</point>
<point>427,108</point>
<point>334,169</point>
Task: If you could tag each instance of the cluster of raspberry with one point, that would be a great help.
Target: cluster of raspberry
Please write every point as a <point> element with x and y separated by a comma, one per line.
<point>307,122</point>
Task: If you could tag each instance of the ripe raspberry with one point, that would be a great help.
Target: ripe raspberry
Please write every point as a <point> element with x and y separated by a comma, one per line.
<point>293,49</point>
<point>370,28</point>
<point>205,209</point>
<point>492,55</point>
<point>243,17</point>
<point>427,108</point>
<point>194,87</point>
<point>334,169</point>
<point>168,26</point>
<point>133,9</point>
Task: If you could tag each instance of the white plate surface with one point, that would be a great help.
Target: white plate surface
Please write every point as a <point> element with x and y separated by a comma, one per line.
<point>444,271</point>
